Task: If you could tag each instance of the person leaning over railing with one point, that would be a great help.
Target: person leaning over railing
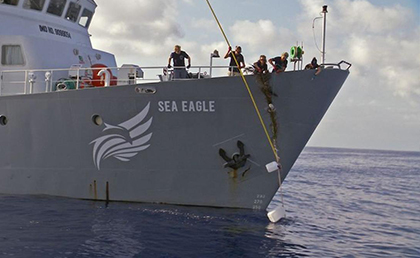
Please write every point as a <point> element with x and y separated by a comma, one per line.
<point>261,65</point>
<point>179,57</point>
<point>234,69</point>
<point>314,65</point>
<point>279,63</point>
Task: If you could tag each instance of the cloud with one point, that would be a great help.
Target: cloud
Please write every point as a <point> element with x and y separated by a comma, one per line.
<point>378,105</point>
<point>203,23</point>
<point>381,42</point>
<point>136,19</point>
<point>137,27</point>
<point>262,35</point>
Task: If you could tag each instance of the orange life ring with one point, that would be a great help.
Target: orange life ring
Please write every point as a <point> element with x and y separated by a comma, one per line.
<point>97,81</point>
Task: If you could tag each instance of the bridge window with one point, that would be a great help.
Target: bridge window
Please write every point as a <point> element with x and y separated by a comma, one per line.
<point>73,12</point>
<point>11,2</point>
<point>56,7</point>
<point>11,55</point>
<point>34,4</point>
<point>86,18</point>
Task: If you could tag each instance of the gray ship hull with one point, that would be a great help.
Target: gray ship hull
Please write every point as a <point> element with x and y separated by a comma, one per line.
<point>160,142</point>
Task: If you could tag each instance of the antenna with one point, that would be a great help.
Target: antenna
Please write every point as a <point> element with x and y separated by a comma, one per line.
<point>324,32</point>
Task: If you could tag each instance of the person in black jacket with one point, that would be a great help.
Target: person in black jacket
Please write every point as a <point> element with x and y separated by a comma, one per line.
<point>178,57</point>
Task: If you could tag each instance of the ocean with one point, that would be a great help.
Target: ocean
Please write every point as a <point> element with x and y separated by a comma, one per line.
<point>339,203</point>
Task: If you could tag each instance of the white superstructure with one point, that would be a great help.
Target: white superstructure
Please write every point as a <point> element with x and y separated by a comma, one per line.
<point>47,34</point>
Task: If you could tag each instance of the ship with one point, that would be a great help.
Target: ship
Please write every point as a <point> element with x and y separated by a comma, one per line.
<point>73,124</point>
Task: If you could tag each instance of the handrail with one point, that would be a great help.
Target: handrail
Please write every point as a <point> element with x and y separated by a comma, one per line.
<point>338,65</point>
<point>82,77</point>
<point>115,68</point>
<point>23,81</point>
<point>344,62</point>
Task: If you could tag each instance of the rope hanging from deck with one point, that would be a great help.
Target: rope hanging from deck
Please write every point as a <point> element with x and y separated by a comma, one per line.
<point>247,87</point>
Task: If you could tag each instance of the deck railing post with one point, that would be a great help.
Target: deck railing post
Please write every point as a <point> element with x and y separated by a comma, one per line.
<point>1,82</point>
<point>25,90</point>
<point>78,76</point>
<point>47,81</point>
<point>32,78</point>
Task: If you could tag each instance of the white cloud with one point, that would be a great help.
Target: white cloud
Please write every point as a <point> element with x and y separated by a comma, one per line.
<point>137,28</point>
<point>203,23</point>
<point>261,36</point>
<point>381,42</point>
<point>378,105</point>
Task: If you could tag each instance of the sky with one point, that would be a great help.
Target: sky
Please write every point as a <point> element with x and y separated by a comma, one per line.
<point>379,104</point>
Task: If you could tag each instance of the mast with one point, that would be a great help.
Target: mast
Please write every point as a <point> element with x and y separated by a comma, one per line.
<point>324,32</point>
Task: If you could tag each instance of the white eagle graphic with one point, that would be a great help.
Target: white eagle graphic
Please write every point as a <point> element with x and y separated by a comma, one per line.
<point>123,141</point>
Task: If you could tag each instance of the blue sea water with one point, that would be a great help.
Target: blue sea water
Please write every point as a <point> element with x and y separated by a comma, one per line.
<point>339,203</point>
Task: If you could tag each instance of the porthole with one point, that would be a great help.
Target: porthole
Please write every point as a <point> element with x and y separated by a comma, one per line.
<point>97,120</point>
<point>145,90</point>
<point>3,120</point>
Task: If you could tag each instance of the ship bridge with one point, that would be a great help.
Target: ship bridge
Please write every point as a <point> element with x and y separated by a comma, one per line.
<point>46,34</point>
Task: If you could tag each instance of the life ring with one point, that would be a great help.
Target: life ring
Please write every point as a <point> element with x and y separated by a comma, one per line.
<point>114,80</point>
<point>299,52</point>
<point>296,52</point>
<point>293,52</point>
<point>98,81</point>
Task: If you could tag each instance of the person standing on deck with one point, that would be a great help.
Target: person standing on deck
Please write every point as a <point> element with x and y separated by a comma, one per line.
<point>178,57</point>
<point>233,68</point>
<point>279,63</point>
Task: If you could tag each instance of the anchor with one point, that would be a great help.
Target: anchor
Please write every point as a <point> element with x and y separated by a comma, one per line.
<point>237,161</point>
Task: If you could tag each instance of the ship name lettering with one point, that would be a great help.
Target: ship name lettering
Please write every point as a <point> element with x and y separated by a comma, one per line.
<point>62,33</point>
<point>54,31</point>
<point>187,106</point>
<point>43,28</point>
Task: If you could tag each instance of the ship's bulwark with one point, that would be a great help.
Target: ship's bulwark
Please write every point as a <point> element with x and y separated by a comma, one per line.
<point>162,147</point>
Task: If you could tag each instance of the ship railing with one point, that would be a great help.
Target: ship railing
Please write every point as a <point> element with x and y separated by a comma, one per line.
<point>14,82</point>
<point>48,80</point>
<point>337,65</point>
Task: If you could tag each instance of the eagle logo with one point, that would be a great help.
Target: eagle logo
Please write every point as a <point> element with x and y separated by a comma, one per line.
<point>123,141</point>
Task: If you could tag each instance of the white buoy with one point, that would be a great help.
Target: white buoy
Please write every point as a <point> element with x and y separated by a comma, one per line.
<point>271,167</point>
<point>278,213</point>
